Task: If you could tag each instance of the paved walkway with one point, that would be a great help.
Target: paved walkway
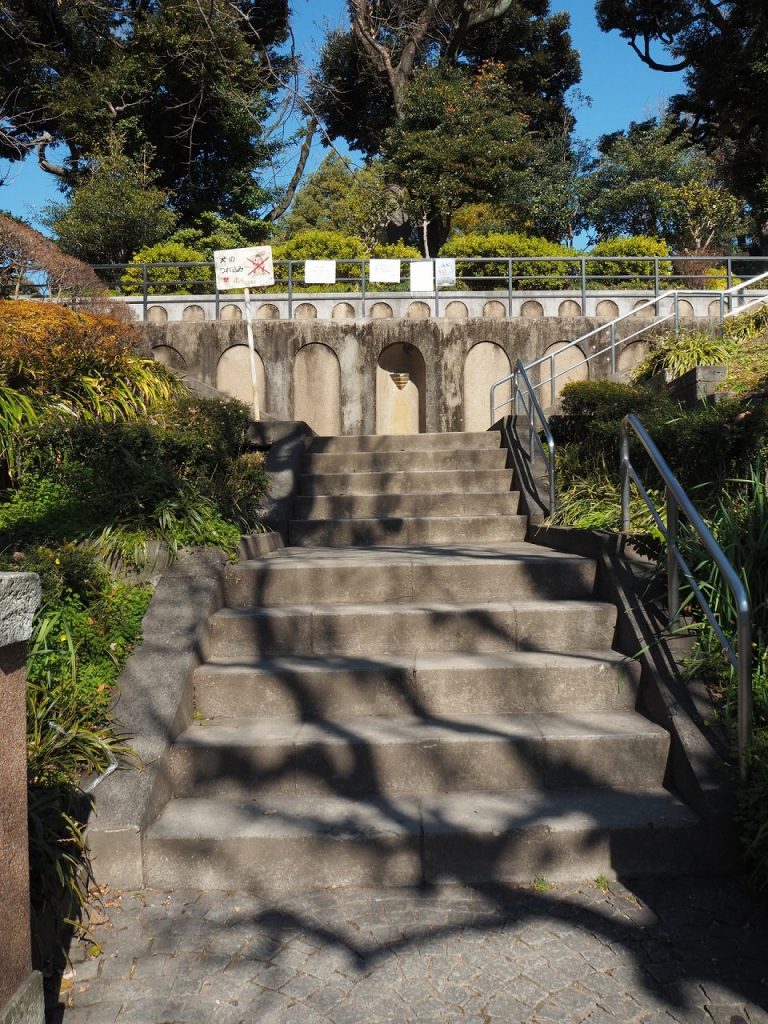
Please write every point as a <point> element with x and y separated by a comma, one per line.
<point>688,951</point>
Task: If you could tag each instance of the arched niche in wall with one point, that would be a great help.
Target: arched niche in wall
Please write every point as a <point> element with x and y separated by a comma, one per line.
<point>569,365</point>
<point>193,313</point>
<point>456,311</point>
<point>607,309</point>
<point>684,308</point>
<point>230,312</point>
<point>343,311</point>
<point>401,390</point>
<point>305,311</point>
<point>381,311</point>
<point>486,363</point>
<point>644,312</point>
<point>418,311</point>
<point>714,309</point>
<point>317,388</point>
<point>569,307</point>
<point>169,356</point>
<point>628,356</point>
<point>157,315</point>
<point>531,309</point>
<point>494,310</point>
<point>268,311</point>
<point>233,376</point>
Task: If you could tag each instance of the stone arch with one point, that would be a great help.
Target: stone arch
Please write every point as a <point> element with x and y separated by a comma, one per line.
<point>629,356</point>
<point>531,309</point>
<point>233,376</point>
<point>486,363</point>
<point>607,308</point>
<point>268,311</point>
<point>169,356</point>
<point>684,308</point>
<point>494,310</point>
<point>418,311</point>
<point>644,313</point>
<point>381,311</point>
<point>193,313</point>
<point>569,307</point>
<point>343,311</point>
<point>401,390</point>
<point>713,310</point>
<point>569,366</point>
<point>230,312</point>
<point>317,388</point>
<point>456,311</point>
<point>157,315</point>
<point>305,311</point>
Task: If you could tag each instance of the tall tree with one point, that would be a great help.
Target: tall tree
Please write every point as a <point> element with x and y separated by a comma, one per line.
<point>723,49</point>
<point>196,82</point>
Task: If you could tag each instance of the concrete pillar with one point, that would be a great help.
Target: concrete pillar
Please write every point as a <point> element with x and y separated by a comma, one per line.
<point>21,989</point>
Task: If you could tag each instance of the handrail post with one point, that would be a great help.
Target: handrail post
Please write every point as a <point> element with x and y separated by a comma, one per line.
<point>677,312</point>
<point>531,446</point>
<point>744,681</point>
<point>362,287</point>
<point>509,286</point>
<point>290,289</point>
<point>144,292</point>
<point>583,286</point>
<point>552,393</point>
<point>437,290</point>
<point>673,569</point>
<point>728,273</point>
<point>624,478</point>
<point>613,348</point>
<point>493,405</point>
<point>656,288</point>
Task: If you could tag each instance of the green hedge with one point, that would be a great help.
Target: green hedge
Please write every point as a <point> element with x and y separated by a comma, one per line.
<point>171,280</point>
<point>624,271</point>
<point>548,273</point>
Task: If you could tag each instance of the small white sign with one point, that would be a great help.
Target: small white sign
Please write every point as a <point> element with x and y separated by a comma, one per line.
<point>320,271</point>
<point>445,272</point>
<point>384,271</point>
<point>422,276</point>
<point>244,268</point>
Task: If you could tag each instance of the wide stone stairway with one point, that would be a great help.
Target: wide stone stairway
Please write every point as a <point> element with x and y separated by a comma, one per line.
<point>412,694</point>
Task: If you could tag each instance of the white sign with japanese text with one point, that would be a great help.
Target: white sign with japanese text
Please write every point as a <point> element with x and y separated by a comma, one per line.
<point>384,271</point>
<point>320,271</point>
<point>244,268</point>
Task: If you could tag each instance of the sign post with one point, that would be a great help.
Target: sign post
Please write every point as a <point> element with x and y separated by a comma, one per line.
<point>246,269</point>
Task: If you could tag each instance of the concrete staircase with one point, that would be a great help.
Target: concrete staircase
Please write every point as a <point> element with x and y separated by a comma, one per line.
<point>412,694</point>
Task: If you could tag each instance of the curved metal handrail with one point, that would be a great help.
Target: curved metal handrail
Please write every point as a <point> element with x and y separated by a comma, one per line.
<point>678,501</point>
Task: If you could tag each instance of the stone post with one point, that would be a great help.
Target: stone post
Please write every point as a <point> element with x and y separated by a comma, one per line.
<point>21,990</point>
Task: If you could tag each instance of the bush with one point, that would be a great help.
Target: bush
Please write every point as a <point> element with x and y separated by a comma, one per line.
<point>676,354</point>
<point>319,245</point>
<point>607,399</point>
<point>549,273</point>
<point>624,271</point>
<point>395,251</point>
<point>171,280</point>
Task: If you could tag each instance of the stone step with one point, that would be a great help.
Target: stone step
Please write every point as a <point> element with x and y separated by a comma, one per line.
<point>406,442</point>
<point>406,462</point>
<point>401,574</point>
<point>513,682</point>
<point>396,530</point>
<point>472,481</point>
<point>301,844</point>
<point>365,506</point>
<point>348,629</point>
<point>413,755</point>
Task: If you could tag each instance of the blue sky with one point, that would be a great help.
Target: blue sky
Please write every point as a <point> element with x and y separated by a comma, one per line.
<point>620,86</point>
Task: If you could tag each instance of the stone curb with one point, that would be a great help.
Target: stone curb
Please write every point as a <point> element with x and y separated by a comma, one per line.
<point>155,704</point>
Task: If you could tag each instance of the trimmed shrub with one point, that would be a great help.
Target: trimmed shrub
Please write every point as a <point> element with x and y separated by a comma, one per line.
<point>395,251</point>
<point>626,271</point>
<point>171,280</point>
<point>319,245</point>
<point>549,273</point>
<point>676,354</point>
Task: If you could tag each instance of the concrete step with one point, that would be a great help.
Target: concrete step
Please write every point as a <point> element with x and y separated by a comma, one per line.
<point>460,572</point>
<point>353,629</point>
<point>513,682</point>
<point>365,506</point>
<point>301,844</point>
<point>413,755</point>
<point>406,442</point>
<point>406,462</point>
<point>472,481</point>
<point>417,530</point>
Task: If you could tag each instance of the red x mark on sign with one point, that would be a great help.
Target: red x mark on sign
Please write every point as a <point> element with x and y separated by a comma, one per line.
<point>258,264</point>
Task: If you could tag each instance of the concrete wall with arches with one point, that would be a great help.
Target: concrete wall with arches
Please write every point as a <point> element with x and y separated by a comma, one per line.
<point>384,375</point>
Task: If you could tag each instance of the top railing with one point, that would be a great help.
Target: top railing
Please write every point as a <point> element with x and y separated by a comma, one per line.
<point>587,275</point>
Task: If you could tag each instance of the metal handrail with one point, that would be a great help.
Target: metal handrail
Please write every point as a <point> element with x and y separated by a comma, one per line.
<point>532,411</point>
<point>678,501</point>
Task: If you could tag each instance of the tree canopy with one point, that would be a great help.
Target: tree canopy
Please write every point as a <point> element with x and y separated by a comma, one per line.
<point>723,49</point>
<point>194,83</point>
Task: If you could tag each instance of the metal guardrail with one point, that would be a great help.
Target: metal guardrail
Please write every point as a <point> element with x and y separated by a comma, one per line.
<point>586,274</point>
<point>677,501</point>
<point>527,403</point>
